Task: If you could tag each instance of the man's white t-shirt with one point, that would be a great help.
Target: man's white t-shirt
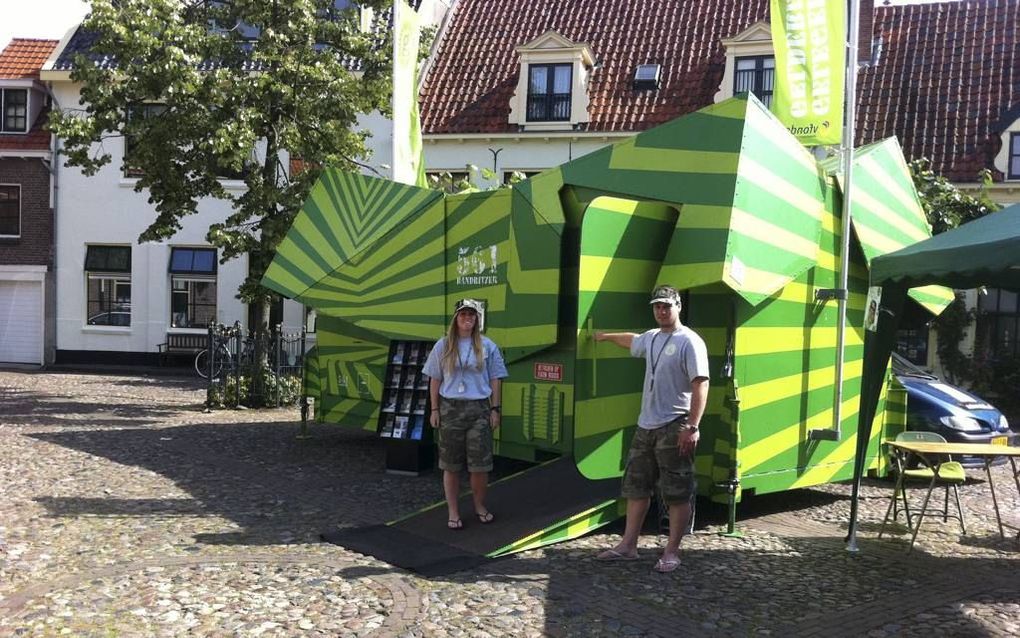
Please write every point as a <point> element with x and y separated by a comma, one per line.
<point>672,361</point>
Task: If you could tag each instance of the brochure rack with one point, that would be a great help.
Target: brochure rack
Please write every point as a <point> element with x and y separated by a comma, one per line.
<point>404,415</point>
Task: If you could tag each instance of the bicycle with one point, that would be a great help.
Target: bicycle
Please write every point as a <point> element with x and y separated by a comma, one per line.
<point>223,357</point>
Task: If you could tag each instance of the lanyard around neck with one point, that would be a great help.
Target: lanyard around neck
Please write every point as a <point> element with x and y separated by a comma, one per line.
<point>464,362</point>
<point>657,357</point>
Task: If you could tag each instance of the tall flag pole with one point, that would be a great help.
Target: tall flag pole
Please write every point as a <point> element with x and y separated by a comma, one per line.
<point>847,149</point>
<point>408,160</point>
<point>815,90</point>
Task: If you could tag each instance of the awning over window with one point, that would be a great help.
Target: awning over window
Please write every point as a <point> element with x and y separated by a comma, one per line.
<point>193,261</point>
<point>108,258</point>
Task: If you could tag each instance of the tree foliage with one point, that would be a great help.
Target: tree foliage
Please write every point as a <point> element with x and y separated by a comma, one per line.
<point>946,208</point>
<point>242,84</point>
<point>944,205</point>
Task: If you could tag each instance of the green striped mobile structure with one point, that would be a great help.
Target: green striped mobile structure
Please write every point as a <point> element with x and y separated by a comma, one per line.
<point>723,203</point>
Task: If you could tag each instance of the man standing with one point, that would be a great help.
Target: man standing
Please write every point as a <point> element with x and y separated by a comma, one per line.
<point>672,403</point>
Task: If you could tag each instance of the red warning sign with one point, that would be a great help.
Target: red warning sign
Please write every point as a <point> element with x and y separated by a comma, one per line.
<point>549,371</point>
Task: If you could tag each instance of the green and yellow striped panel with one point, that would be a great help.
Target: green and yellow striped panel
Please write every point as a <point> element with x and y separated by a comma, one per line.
<point>786,367</point>
<point>345,213</point>
<point>351,365</point>
<point>690,160</point>
<point>502,251</point>
<point>396,288</point>
<point>622,246</point>
<point>767,232</point>
<point>887,213</point>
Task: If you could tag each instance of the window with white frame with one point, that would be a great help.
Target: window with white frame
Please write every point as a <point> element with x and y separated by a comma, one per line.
<point>10,210</point>
<point>1014,156</point>
<point>755,74</point>
<point>14,107</point>
<point>192,287</point>
<point>108,285</point>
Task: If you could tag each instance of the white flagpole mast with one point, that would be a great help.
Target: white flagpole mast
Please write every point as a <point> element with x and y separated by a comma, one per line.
<point>847,157</point>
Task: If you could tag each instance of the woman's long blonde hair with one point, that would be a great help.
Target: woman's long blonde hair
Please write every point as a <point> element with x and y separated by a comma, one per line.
<point>451,353</point>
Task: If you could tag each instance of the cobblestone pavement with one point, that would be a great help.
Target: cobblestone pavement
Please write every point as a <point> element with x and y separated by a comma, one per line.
<point>125,510</point>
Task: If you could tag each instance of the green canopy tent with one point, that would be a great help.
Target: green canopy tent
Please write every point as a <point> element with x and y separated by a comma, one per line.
<point>984,252</point>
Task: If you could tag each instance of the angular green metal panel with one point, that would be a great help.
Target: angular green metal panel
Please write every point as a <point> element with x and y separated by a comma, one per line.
<point>887,213</point>
<point>345,213</point>
<point>622,246</point>
<point>351,365</point>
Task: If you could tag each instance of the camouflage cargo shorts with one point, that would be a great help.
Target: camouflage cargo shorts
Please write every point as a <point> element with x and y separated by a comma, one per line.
<point>465,435</point>
<point>654,456</point>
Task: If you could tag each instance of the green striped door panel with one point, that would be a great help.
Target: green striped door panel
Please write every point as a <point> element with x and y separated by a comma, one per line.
<point>622,245</point>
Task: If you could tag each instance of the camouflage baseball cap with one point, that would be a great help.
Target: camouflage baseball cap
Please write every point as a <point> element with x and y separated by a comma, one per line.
<point>665,294</point>
<point>469,304</point>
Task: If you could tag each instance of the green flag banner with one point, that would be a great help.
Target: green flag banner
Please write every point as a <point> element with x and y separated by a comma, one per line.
<point>809,37</point>
<point>408,160</point>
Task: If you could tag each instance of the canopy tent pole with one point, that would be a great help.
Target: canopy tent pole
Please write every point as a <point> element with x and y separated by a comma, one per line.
<point>877,347</point>
<point>847,158</point>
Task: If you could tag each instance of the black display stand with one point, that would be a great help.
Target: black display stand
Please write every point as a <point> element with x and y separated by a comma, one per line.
<point>404,416</point>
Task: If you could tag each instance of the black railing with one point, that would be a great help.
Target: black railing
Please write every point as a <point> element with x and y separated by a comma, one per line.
<point>252,368</point>
<point>549,107</point>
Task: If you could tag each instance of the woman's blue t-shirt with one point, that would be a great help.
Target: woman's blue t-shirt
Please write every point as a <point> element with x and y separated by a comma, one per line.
<point>466,381</point>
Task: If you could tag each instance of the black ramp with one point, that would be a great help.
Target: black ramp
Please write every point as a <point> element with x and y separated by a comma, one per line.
<point>522,504</point>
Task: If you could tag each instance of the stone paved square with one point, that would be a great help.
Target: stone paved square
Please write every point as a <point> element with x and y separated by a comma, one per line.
<point>128,511</point>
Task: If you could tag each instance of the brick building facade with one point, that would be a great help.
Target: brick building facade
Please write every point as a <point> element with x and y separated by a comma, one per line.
<point>27,278</point>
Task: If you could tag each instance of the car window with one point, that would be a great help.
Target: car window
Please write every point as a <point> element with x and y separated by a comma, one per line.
<point>902,367</point>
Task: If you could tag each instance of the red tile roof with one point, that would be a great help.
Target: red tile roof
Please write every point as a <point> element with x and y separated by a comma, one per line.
<point>468,89</point>
<point>946,82</point>
<point>948,75</point>
<point>23,57</point>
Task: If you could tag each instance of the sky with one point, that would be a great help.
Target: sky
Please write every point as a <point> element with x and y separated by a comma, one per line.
<point>39,18</point>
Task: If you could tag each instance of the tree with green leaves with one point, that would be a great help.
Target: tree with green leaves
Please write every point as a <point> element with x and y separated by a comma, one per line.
<point>204,90</point>
<point>946,207</point>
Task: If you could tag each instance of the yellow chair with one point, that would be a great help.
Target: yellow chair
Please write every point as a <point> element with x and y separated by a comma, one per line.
<point>950,475</point>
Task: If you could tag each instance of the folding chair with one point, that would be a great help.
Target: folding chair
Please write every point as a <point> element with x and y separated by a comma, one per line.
<point>950,475</point>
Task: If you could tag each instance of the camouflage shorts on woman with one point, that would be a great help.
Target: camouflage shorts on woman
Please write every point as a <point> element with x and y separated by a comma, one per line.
<point>465,434</point>
<point>654,455</point>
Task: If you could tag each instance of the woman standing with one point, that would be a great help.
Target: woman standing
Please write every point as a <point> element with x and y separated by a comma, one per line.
<point>465,371</point>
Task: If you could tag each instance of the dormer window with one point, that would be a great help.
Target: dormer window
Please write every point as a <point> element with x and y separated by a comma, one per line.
<point>755,74</point>
<point>750,64</point>
<point>549,92</point>
<point>552,86</point>
<point>14,107</point>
